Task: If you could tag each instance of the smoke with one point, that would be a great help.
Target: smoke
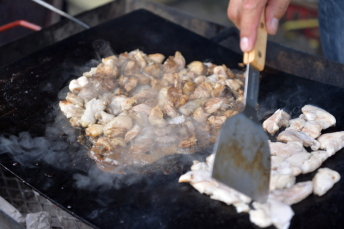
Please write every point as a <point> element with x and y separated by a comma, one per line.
<point>58,147</point>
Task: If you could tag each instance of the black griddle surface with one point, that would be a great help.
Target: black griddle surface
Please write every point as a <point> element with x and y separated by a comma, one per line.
<point>59,168</point>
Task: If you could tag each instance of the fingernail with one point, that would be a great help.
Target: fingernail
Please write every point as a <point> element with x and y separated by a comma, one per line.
<point>244,44</point>
<point>274,25</point>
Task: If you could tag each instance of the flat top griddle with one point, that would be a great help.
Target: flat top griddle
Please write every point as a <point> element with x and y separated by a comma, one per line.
<point>44,154</point>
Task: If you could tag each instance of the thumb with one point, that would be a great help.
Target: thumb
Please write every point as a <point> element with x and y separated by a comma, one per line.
<point>275,10</point>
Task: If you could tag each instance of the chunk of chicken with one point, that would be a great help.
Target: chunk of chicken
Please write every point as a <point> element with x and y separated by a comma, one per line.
<point>202,91</point>
<point>312,128</point>
<point>131,134</point>
<point>197,67</point>
<point>92,107</point>
<point>296,124</point>
<point>276,162</point>
<point>180,60</point>
<point>75,99</point>
<point>294,194</point>
<point>157,58</point>
<point>295,136</point>
<point>94,130</point>
<point>170,66</point>
<point>71,110</point>
<point>107,70</point>
<point>216,121</point>
<point>285,150</point>
<point>131,68</point>
<point>271,213</point>
<point>215,104</point>
<point>153,70</point>
<point>104,118</point>
<point>142,108</point>
<point>156,117</point>
<point>286,168</point>
<point>298,159</point>
<point>314,161</point>
<point>200,79</point>
<point>280,181</point>
<point>324,180</point>
<point>200,116</point>
<point>120,103</point>
<point>313,113</point>
<point>191,106</point>
<point>119,122</point>
<point>276,121</point>
<point>189,87</point>
<point>332,142</point>
<point>77,84</point>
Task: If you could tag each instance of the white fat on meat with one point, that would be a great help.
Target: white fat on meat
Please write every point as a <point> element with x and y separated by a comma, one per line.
<point>286,149</point>
<point>332,142</point>
<point>77,84</point>
<point>296,124</point>
<point>276,121</point>
<point>314,161</point>
<point>294,194</point>
<point>271,213</point>
<point>296,136</point>
<point>92,107</point>
<point>312,128</point>
<point>313,113</point>
<point>324,180</point>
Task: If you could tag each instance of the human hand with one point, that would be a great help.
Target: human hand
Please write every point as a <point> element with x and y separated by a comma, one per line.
<point>246,14</point>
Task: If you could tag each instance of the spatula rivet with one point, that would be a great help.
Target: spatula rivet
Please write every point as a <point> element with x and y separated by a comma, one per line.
<point>259,54</point>
<point>261,25</point>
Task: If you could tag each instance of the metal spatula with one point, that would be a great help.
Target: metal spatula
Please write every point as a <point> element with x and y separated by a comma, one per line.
<point>242,158</point>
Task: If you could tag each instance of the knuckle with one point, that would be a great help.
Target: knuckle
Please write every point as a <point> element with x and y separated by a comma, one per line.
<point>250,5</point>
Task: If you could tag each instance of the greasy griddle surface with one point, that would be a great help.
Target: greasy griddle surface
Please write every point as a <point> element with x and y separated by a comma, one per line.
<point>151,197</point>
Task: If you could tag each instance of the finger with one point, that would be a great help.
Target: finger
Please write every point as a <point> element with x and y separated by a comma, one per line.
<point>250,17</point>
<point>233,12</point>
<point>275,10</point>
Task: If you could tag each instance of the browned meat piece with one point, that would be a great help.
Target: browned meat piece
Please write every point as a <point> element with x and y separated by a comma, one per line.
<point>157,58</point>
<point>153,70</point>
<point>156,117</point>
<point>197,67</point>
<point>94,130</point>
<point>189,87</point>
<point>202,91</point>
<point>71,110</point>
<point>215,104</point>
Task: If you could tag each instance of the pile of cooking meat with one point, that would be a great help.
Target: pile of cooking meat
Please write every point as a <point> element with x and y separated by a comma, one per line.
<point>289,158</point>
<point>137,108</point>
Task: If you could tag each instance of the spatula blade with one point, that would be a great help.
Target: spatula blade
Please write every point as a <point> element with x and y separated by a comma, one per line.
<point>243,157</point>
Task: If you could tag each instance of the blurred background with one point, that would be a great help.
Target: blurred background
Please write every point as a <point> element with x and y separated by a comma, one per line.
<point>298,28</point>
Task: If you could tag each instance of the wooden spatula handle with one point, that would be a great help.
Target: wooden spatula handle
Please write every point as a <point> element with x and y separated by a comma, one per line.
<point>257,56</point>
